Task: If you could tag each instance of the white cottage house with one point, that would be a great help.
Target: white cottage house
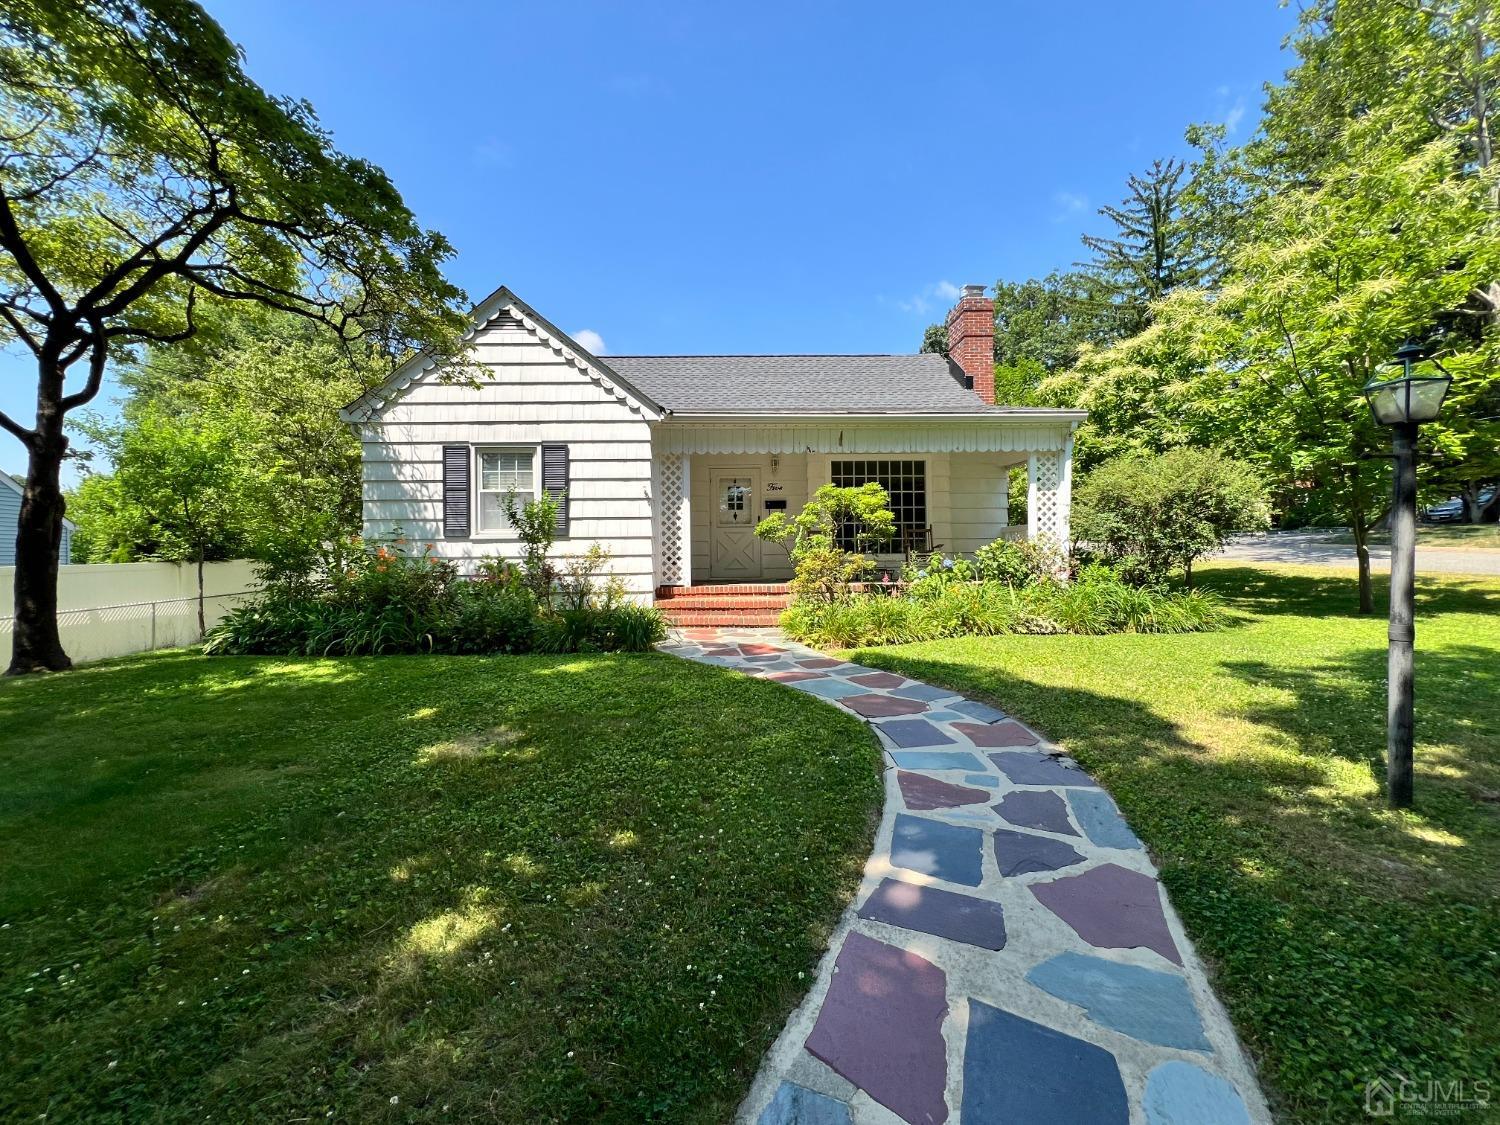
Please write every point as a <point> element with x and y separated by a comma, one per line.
<point>669,461</point>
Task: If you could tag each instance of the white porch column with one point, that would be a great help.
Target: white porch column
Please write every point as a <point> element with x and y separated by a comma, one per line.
<point>1049,494</point>
<point>674,521</point>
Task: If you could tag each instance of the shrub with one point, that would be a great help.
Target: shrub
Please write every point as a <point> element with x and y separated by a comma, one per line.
<point>1149,515</point>
<point>825,569</point>
<point>360,601</point>
<point>1021,562</point>
<point>1099,602</point>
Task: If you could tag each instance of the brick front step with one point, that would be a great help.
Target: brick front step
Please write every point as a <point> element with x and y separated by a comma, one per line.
<point>739,601</point>
<point>722,618</point>
<point>722,590</point>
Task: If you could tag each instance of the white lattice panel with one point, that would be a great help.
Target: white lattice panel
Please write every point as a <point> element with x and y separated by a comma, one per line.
<point>672,537</point>
<point>1048,518</point>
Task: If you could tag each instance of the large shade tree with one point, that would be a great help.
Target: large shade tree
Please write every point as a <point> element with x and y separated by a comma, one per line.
<point>142,175</point>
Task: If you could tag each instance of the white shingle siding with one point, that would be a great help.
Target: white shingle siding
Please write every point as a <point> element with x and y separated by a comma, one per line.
<point>531,396</point>
<point>977,499</point>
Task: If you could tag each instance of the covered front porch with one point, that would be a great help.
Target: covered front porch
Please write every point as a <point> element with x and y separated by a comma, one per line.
<point>714,481</point>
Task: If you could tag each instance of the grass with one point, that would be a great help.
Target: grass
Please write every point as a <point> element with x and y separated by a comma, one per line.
<point>1349,941</point>
<point>408,888</point>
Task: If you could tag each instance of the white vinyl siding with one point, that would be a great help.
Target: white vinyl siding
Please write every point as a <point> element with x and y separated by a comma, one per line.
<point>527,396</point>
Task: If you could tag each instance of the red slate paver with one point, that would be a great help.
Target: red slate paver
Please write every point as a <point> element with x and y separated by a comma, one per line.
<point>820,662</point>
<point>793,677</point>
<point>878,679</point>
<point>881,1027</point>
<point>882,706</point>
<point>1008,733</point>
<point>923,792</point>
<point>761,650</point>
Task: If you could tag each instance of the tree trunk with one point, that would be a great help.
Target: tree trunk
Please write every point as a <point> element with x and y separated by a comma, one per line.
<point>1490,512</point>
<point>202,628</point>
<point>1362,553</point>
<point>35,644</point>
<point>1473,510</point>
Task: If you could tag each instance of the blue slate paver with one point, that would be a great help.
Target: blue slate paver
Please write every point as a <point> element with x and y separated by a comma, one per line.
<point>973,709</point>
<point>1142,1003</point>
<point>932,910</point>
<point>1101,821</point>
<point>1030,808</point>
<point>925,692</point>
<point>914,732</point>
<point>946,716</point>
<point>1028,768</point>
<point>988,780</point>
<point>797,1105</point>
<point>944,851</point>
<point>936,760</point>
<point>1020,853</point>
<point>829,688</point>
<point>1179,1093</point>
<point>1016,1070</point>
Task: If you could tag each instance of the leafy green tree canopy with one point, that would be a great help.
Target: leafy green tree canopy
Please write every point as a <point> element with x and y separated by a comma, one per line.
<point>142,173</point>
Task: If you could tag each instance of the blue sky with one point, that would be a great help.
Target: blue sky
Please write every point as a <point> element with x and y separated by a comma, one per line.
<point>811,177</point>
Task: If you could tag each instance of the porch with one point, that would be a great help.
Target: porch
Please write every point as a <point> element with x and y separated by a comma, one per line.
<point>714,483</point>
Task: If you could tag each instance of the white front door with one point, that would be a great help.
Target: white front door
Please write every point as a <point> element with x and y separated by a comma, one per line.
<point>734,552</point>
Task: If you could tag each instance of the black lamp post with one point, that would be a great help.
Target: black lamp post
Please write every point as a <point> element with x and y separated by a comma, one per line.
<point>1404,403</point>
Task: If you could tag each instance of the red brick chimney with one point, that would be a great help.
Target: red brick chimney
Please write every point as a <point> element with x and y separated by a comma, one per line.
<point>971,339</point>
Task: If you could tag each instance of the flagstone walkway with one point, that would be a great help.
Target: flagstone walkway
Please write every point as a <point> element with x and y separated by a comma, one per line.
<point>1010,956</point>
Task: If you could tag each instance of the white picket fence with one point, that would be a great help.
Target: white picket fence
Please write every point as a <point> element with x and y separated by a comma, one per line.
<point>114,609</point>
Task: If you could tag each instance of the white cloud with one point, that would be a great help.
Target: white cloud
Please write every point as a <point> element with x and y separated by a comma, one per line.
<point>1235,115</point>
<point>590,341</point>
<point>929,298</point>
<point>1068,204</point>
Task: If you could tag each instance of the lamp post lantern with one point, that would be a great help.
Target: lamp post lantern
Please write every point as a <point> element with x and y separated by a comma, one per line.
<point>1403,403</point>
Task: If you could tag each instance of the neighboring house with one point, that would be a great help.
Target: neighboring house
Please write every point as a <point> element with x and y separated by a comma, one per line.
<point>11,492</point>
<point>670,461</point>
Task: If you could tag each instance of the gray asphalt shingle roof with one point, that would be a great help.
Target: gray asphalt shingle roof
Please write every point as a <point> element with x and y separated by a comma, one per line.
<point>800,384</point>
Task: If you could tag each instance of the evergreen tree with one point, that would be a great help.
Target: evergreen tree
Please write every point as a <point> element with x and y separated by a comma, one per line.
<point>1154,249</point>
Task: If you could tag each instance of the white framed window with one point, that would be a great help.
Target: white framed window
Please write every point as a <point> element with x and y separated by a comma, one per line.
<point>499,472</point>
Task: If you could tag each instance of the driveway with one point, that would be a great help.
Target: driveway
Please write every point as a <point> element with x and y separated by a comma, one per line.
<point>1322,547</point>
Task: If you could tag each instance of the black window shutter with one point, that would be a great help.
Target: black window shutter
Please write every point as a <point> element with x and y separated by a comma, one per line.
<point>555,482</point>
<point>455,491</point>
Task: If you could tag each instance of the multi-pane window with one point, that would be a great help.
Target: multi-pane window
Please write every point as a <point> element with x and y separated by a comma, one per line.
<point>501,472</point>
<point>905,481</point>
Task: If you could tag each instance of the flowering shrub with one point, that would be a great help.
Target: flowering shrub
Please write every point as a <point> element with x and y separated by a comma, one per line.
<point>1021,562</point>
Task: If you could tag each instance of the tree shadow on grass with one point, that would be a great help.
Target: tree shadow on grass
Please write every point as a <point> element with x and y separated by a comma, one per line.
<point>1265,592</point>
<point>1338,707</point>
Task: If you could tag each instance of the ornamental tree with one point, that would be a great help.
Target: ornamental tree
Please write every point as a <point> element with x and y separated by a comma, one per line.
<point>144,175</point>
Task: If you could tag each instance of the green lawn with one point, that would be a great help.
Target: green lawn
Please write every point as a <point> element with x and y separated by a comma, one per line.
<point>517,888</point>
<point>1349,941</point>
